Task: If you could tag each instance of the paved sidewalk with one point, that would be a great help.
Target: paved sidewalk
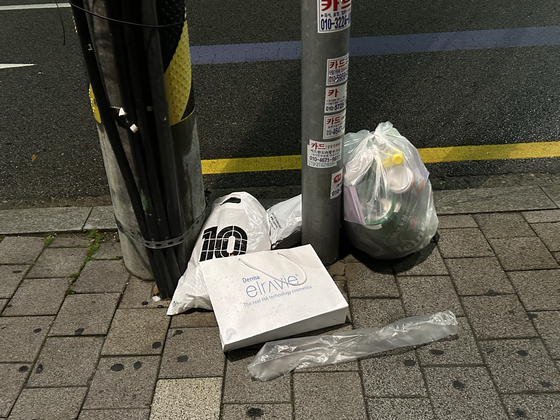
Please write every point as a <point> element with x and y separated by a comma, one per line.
<point>81,338</point>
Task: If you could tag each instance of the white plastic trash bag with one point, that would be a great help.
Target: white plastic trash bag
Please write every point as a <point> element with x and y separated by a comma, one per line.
<point>388,202</point>
<point>284,220</point>
<point>237,225</point>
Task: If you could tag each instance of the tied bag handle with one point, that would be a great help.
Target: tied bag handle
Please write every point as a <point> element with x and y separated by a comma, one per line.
<point>275,278</point>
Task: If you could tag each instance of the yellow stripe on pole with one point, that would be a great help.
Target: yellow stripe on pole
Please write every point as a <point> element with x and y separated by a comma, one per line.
<point>178,79</point>
<point>429,155</point>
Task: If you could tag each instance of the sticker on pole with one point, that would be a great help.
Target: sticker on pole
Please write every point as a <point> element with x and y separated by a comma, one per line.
<point>334,125</point>
<point>335,98</point>
<point>324,154</point>
<point>337,70</point>
<point>336,184</point>
<point>333,15</point>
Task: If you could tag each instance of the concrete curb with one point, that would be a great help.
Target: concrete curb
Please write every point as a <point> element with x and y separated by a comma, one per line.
<point>447,202</point>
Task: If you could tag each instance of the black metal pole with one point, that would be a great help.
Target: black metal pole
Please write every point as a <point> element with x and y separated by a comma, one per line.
<point>157,157</point>
<point>155,69</point>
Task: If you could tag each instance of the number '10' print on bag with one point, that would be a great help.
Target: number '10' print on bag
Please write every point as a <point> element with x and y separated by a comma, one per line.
<point>237,225</point>
<point>230,241</point>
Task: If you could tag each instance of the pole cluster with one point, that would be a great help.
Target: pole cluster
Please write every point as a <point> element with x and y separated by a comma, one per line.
<point>128,47</point>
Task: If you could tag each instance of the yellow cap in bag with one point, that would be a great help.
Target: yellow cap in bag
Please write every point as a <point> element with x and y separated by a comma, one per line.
<point>397,158</point>
<point>393,158</point>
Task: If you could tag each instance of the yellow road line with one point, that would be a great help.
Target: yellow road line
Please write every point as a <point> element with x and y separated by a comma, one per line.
<point>256,164</point>
<point>491,152</point>
<point>429,155</point>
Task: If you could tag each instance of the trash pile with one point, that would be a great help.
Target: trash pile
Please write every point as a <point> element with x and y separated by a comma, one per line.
<point>266,289</point>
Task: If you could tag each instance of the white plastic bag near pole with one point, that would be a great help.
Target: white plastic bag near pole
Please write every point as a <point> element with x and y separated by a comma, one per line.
<point>280,357</point>
<point>389,209</point>
<point>237,225</point>
<point>284,221</point>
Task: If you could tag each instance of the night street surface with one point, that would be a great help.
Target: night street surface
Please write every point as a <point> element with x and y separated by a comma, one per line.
<point>491,77</point>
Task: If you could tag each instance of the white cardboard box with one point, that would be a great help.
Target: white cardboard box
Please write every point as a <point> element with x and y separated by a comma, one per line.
<point>269,295</point>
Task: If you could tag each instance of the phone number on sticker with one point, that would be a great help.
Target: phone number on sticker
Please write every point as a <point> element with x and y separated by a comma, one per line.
<point>337,107</point>
<point>323,160</point>
<point>335,24</point>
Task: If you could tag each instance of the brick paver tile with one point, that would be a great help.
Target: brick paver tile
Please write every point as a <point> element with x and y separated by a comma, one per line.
<point>456,221</point>
<point>393,374</point>
<point>257,411</point>
<point>523,254</point>
<point>239,387</point>
<point>498,317</point>
<point>138,294</point>
<point>542,216</point>
<point>426,262</point>
<point>12,378</point>
<point>503,225</point>
<point>364,282</point>
<point>375,313</point>
<point>127,414</point>
<point>548,326</point>
<point>539,290</point>
<point>192,352</point>
<point>429,294</point>
<point>10,278</point>
<point>400,408</point>
<point>466,242</point>
<point>20,249</point>
<point>194,319</point>
<point>549,234</point>
<point>48,404</point>
<point>460,349</point>
<point>66,361</point>
<point>109,247</point>
<point>49,219</point>
<point>123,382</point>
<point>521,365</point>
<point>108,250</point>
<point>335,395</point>
<point>463,393</point>
<point>38,297</point>
<point>478,276</point>
<point>194,398</point>
<point>58,262</point>
<point>137,331</point>
<point>70,240</point>
<point>102,277</point>
<point>21,337</point>
<point>85,314</point>
<point>532,406</point>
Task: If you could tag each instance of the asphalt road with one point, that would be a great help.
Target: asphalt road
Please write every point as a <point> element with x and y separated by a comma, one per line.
<point>496,93</point>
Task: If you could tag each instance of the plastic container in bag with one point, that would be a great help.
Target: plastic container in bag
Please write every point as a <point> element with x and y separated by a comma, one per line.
<point>388,203</point>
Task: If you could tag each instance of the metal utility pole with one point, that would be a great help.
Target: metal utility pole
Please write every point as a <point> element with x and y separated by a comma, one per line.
<point>137,58</point>
<point>325,38</point>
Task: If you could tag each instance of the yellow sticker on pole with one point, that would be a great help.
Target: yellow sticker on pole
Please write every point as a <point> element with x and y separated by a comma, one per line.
<point>94,106</point>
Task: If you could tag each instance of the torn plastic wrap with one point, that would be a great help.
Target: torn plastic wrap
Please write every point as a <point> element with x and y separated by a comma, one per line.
<point>277,358</point>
